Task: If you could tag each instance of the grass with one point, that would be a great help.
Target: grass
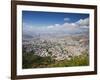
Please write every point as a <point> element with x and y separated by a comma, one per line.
<point>82,60</point>
<point>33,61</point>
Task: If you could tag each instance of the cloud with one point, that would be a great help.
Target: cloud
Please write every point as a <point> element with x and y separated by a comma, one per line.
<point>53,26</point>
<point>66,19</point>
<point>83,22</point>
<point>69,25</point>
<point>79,26</point>
<point>66,27</point>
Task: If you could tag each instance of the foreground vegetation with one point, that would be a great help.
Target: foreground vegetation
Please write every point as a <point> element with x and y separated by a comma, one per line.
<point>33,61</point>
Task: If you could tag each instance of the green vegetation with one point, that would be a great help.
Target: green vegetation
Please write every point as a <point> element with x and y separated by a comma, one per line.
<point>33,61</point>
<point>82,60</point>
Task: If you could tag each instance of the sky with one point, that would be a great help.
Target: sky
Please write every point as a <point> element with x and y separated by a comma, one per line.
<point>54,22</point>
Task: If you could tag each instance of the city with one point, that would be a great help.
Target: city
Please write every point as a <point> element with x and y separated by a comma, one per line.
<point>57,48</point>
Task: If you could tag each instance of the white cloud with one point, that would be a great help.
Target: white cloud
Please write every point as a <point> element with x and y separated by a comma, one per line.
<point>66,19</point>
<point>53,26</point>
<point>57,24</point>
<point>85,27</point>
<point>49,27</point>
<point>83,22</point>
<point>67,28</point>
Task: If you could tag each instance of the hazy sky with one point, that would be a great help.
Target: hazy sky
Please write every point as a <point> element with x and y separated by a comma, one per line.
<point>52,22</point>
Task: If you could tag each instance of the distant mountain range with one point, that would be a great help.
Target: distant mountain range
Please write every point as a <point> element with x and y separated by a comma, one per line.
<point>51,35</point>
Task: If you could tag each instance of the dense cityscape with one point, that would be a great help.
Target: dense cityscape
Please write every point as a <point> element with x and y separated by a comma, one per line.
<point>57,48</point>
